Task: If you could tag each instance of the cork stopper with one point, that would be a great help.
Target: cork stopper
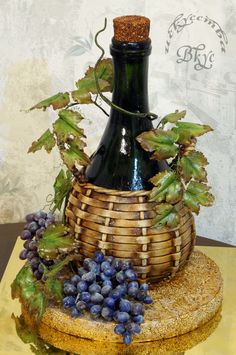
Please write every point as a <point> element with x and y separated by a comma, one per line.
<point>131,28</point>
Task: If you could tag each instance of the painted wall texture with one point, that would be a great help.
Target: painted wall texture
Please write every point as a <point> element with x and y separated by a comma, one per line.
<point>46,46</point>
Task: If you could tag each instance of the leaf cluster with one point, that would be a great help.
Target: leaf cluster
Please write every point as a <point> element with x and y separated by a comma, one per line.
<point>186,179</point>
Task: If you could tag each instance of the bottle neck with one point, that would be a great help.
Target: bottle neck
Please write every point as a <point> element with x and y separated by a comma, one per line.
<point>130,62</point>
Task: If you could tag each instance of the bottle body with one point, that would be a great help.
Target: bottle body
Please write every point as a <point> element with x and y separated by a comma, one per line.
<point>120,162</point>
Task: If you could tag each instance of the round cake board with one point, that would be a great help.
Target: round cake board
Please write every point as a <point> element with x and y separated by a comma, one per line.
<point>180,305</point>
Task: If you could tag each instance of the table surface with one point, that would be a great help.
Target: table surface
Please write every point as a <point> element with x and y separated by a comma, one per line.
<point>222,341</point>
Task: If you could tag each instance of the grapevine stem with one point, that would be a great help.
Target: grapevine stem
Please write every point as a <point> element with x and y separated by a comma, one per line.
<point>150,115</point>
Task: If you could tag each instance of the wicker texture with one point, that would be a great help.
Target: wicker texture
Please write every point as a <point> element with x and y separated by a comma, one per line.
<point>120,224</point>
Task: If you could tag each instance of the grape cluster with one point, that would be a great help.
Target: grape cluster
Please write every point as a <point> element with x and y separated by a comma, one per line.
<point>36,224</point>
<point>108,288</point>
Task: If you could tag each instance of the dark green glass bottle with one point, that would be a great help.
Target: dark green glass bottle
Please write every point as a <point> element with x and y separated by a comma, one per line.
<point>120,162</point>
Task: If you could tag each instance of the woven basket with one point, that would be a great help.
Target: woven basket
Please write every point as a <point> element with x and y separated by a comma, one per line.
<point>120,224</point>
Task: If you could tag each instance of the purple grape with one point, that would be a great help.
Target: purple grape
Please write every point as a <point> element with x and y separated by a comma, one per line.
<point>131,274</point>
<point>95,310</point>
<point>85,296</point>
<point>120,276</point>
<point>97,298</point>
<point>41,222</point>
<point>144,287</point>
<point>132,291</point>
<point>109,272</point>
<point>134,284</point>
<point>26,234</point>
<point>106,290</point>
<point>125,306</point>
<point>82,286</point>
<point>110,259</point>
<point>122,288</point>
<point>70,290</point>
<point>41,268</point>
<point>89,276</point>
<point>39,232</point>
<point>122,317</point>
<point>68,301</point>
<point>81,271</point>
<point>141,295</point>
<point>107,313</point>
<point>117,264</point>
<point>37,274</point>
<point>147,300</point>
<point>75,279</point>
<point>99,257</point>
<point>133,328</point>
<point>29,217</point>
<point>26,243</point>
<point>94,288</point>
<point>119,329</point>
<point>109,302</point>
<point>74,312</point>
<point>137,309</point>
<point>23,254</point>
<point>104,265</point>
<point>138,319</point>
<point>126,264</point>
<point>31,255</point>
<point>32,245</point>
<point>115,294</point>
<point>33,227</point>
<point>106,283</point>
<point>127,338</point>
<point>81,306</point>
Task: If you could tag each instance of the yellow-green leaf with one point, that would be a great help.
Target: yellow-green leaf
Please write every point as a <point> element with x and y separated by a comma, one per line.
<point>166,216</point>
<point>81,97</point>
<point>62,186</point>
<point>174,117</point>
<point>162,143</point>
<point>168,187</point>
<point>187,131</point>
<point>57,101</point>
<point>192,166</point>
<point>74,155</point>
<point>46,141</point>
<point>87,84</point>
<point>197,194</point>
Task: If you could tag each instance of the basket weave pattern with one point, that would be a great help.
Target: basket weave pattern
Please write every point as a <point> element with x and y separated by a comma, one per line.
<point>120,224</point>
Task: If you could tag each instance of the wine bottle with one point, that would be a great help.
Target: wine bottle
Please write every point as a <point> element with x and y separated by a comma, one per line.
<point>120,162</point>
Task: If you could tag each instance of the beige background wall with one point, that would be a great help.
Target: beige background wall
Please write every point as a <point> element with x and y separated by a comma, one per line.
<point>36,37</point>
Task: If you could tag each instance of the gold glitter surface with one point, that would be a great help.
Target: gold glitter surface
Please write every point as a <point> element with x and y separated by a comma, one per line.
<point>180,305</point>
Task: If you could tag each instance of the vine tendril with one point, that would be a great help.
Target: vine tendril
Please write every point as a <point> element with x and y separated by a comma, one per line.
<point>150,115</point>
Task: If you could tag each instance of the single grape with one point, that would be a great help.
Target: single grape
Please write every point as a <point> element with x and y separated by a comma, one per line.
<point>148,300</point>
<point>95,310</point>
<point>125,305</point>
<point>81,306</point>
<point>23,254</point>
<point>29,217</point>
<point>122,317</point>
<point>115,294</point>
<point>47,262</point>
<point>106,290</point>
<point>132,291</point>
<point>119,329</point>
<point>82,286</point>
<point>37,274</point>
<point>32,245</point>
<point>120,276</point>
<point>94,288</point>
<point>131,274</point>
<point>141,295</point>
<point>109,272</point>
<point>144,287</point>
<point>49,222</point>
<point>89,276</point>
<point>41,222</point>
<point>107,283</point>
<point>74,312</point>
<point>70,290</point>
<point>86,263</point>
<point>104,265</point>
<point>127,338</point>
<point>104,277</point>
<point>99,257</point>
<point>85,296</point>
<point>50,215</point>
<point>137,309</point>
<point>26,234</point>
<point>126,264</point>
<point>26,243</point>
<point>117,264</point>
<point>33,226</point>
<point>107,313</point>
<point>97,298</point>
<point>81,271</point>
<point>75,279</point>
<point>133,284</point>
<point>110,259</point>
<point>122,288</point>
<point>138,319</point>
<point>31,255</point>
<point>41,268</point>
<point>133,328</point>
<point>68,301</point>
<point>110,302</point>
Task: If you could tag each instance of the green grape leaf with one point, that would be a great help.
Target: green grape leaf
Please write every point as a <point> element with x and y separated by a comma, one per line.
<point>192,166</point>
<point>197,194</point>
<point>87,84</point>
<point>174,117</point>
<point>82,97</point>
<point>188,131</point>
<point>159,141</point>
<point>166,216</point>
<point>46,141</point>
<point>57,101</point>
<point>54,238</point>
<point>29,291</point>
<point>62,186</point>
<point>168,187</point>
<point>53,288</point>
<point>67,130</point>
<point>74,155</point>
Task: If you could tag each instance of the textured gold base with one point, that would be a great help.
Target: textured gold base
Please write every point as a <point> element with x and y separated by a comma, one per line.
<point>189,300</point>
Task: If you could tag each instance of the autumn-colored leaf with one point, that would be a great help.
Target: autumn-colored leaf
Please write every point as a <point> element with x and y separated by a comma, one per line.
<point>197,194</point>
<point>87,84</point>
<point>57,101</point>
<point>74,155</point>
<point>46,141</point>
<point>166,216</point>
<point>62,186</point>
<point>174,117</point>
<point>162,143</point>
<point>187,131</point>
<point>168,187</point>
<point>82,97</point>
<point>192,166</point>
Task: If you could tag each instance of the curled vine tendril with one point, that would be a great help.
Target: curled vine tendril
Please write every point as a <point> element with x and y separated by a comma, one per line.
<point>150,115</point>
